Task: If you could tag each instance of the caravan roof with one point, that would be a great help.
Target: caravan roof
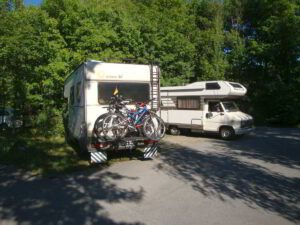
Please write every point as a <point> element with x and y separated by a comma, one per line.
<point>209,89</point>
<point>97,70</point>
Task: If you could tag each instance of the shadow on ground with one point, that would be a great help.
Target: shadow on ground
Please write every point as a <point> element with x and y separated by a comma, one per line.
<point>221,174</point>
<point>64,200</point>
<point>280,146</point>
<point>274,145</point>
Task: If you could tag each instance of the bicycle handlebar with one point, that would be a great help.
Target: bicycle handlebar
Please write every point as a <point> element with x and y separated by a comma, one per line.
<point>118,102</point>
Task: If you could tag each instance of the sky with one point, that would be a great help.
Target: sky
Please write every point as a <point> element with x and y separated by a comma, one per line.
<point>32,2</point>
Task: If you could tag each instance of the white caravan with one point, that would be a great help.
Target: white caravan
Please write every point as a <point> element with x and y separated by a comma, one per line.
<point>89,89</point>
<point>206,106</point>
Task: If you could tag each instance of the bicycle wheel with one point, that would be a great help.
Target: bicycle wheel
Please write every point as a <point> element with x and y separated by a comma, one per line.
<point>98,128</point>
<point>154,127</point>
<point>114,126</point>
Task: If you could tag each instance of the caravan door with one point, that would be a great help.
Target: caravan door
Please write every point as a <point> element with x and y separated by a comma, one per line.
<point>213,116</point>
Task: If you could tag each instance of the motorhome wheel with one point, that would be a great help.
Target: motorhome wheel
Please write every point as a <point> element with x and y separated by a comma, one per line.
<point>226,133</point>
<point>174,131</point>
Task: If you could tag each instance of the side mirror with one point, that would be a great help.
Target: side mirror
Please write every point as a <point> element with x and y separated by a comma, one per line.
<point>209,115</point>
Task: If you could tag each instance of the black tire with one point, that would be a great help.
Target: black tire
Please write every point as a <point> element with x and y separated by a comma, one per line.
<point>83,140</point>
<point>68,137</point>
<point>81,149</point>
<point>174,131</point>
<point>3,127</point>
<point>98,128</point>
<point>114,126</point>
<point>226,133</point>
<point>149,129</point>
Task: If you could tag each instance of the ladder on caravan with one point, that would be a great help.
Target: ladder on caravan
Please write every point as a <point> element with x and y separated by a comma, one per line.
<point>155,87</point>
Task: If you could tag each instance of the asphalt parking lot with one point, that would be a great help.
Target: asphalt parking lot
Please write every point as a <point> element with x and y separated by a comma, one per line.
<point>194,180</point>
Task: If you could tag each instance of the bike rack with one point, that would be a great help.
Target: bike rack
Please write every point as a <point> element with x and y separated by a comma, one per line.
<point>149,152</point>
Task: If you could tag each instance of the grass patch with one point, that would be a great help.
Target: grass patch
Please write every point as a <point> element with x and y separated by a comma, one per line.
<point>40,155</point>
<point>49,156</point>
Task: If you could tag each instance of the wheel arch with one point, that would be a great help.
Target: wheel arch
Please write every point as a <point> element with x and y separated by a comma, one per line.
<point>228,127</point>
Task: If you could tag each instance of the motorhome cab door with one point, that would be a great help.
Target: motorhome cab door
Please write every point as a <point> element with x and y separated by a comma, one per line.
<point>213,116</point>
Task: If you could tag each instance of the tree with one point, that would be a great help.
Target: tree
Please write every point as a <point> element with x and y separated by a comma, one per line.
<point>33,59</point>
<point>155,31</point>
<point>252,41</point>
<point>210,62</point>
<point>167,33</point>
<point>273,59</point>
<point>11,5</point>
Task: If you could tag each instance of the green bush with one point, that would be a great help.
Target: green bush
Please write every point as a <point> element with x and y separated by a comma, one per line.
<point>50,123</point>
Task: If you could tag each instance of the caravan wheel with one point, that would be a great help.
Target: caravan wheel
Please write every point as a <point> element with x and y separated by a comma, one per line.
<point>174,131</point>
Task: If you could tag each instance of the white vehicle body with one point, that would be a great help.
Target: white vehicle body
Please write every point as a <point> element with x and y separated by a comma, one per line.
<point>8,119</point>
<point>89,88</point>
<point>205,106</point>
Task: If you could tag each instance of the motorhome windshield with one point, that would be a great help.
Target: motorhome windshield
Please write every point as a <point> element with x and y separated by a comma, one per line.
<point>230,107</point>
<point>135,91</point>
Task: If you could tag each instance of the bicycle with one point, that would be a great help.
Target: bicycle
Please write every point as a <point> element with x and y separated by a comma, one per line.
<point>115,104</point>
<point>121,120</point>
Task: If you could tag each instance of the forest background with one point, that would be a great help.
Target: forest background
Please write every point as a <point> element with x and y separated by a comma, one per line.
<point>255,42</point>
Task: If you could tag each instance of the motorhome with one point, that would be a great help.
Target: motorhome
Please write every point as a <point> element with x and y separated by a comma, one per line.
<point>206,106</point>
<point>89,89</point>
<point>9,119</point>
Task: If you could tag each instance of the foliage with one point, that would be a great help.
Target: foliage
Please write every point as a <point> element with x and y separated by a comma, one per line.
<point>255,42</point>
<point>40,155</point>
<point>33,59</point>
<point>210,58</point>
<point>272,64</point>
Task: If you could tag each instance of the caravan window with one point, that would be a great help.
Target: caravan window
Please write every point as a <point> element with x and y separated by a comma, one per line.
<point>235,85</point>
<point>188,102</point>
<point>212,86</point>
<point>135,91</point>
<point>72,95</point>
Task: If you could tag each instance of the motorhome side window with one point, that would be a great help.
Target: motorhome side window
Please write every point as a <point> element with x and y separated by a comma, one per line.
<point>78,92</point>
<point>186,102</point>
<point>214,107</point>
<point>72,95</point>
<point>134,91</point>
<point>212,86</point>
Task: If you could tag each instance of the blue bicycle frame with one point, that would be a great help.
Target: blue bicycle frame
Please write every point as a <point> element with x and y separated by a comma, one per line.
<point>137,116</point>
